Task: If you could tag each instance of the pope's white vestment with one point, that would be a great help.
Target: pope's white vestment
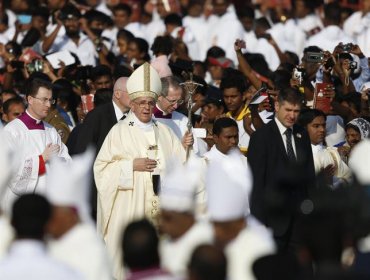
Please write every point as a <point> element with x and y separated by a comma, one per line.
<point>123,194</point>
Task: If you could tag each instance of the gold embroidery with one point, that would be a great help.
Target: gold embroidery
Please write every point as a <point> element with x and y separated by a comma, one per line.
<point>146,77</point>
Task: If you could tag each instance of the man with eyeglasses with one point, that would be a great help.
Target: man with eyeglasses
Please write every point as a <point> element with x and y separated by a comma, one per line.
<point>133,157</point>
<point>171,98</point>
<point>35,142</point>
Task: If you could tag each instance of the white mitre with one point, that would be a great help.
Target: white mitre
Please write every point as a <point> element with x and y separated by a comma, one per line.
<point>144,82</point>
<point>179,185</point>
<point>359,161</point>
<point>228,185</point>
<point>68,184</point>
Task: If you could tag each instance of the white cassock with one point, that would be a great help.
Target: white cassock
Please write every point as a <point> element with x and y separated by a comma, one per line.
<point>324,156</point>
<point>307,24</point>
<point>188,37</point>
<point>29,138</point>
<point>178,123</point>
<point>123,194</point>
<point>328,38</point>
<point>28,259</point>
<point>81,249</point>
<point>176,254</point>
<point>358,27</point>
<point>223,31</point>
<point>6,236</point>
<point>244,250</point>
<point>268,51</point>
<point>288,37</point>
<point>199,27</point>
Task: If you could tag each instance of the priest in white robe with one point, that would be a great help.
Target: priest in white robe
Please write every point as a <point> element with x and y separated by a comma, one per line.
<point>126,169</point>
<point>35,142</point>
<point>182,231</point>
<point>75,241</point>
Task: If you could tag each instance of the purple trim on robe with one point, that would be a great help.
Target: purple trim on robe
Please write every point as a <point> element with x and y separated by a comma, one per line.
<point>31,123</point>
<point>159,114</point>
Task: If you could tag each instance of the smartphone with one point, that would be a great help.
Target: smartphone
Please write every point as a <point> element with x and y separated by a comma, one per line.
<point>24,19</point>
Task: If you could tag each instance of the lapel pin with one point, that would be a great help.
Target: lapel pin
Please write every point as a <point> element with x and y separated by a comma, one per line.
<point>299,135</point>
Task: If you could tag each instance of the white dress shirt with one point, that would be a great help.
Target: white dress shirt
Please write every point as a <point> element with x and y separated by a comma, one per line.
<point>282,130</point>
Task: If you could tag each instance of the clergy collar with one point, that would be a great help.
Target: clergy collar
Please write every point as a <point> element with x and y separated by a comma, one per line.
<point>158,113</point>
<point>30,122</point>
<point>140,124</point>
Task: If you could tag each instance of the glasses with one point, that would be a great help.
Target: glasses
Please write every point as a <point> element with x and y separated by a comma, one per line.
<point>45,100</point>
<point>143,104</point>
<point>173,102</point>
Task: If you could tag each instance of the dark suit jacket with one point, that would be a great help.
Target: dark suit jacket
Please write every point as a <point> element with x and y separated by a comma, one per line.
<point>95,127</point>
<point>269,163</point>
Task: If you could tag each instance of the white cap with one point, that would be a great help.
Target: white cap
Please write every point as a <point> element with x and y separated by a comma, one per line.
<point>68,184</point>
<point>228,185</point>
<point>144,82</point>
<point>179,185</point>
<point>359,161</point>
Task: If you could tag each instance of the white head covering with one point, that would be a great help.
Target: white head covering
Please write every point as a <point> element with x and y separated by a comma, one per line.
<point>362,125</point>
<point>7,163</point>
<point>359,161</point>
<point>144,82</point>
<point>179,185</point>
<point>68,184</point>
<point>228,184</point>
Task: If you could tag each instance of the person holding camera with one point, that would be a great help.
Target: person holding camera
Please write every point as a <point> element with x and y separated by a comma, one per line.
<point>73,40</point>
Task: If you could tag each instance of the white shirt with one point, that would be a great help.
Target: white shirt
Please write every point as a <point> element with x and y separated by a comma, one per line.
<point>358,27</point>
<point>85,50</point>
<point>117,111</point>
<point>268,51</point>
<point>28,259</point>
<point>282,130</point>
<point>328,38</point>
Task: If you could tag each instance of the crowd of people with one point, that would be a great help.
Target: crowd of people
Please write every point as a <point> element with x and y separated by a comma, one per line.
<point>197,139</point>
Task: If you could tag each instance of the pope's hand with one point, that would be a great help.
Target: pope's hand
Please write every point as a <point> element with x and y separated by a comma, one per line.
<point>187,140</point>
<point>144,164</point>
<point>50,151</point>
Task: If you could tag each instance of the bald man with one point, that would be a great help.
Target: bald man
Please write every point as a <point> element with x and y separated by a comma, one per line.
<point>99,121</point>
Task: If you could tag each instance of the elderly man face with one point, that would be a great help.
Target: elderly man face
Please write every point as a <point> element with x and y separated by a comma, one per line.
<point>142,107</point>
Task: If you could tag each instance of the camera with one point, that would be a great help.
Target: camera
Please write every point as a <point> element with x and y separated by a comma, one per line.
<point>298,74</point>
<point>353,65</point>
<point>347,47</point>
<point>36,65</point>
<point>314,57</point>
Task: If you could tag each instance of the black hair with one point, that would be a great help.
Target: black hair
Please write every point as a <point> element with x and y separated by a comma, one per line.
<point>140,245</point>
<point>281,78</point>
<point>222,123</point>
<point>68,10</point>
<point>41,12</point>
<point>63,91</point>
<point>142,46</point>
<point>125,35</point>
<point>123,7</point>
<point>162,45</point>
<point>262,22</point>
<point>245,11</point>
<point>100,71</point>
<point>290,95</point>
<point>30,215</point>
<point>233,79</point>
<point>215,52</point>
<point>4,19</point>
<point>208,262</point>
<point>10,102</point>
<point>306,116</point>
<point>173,19</point>
<point>34,84</point>
<point>92,15</point>
<point>312,49</point>
<point>258,63</point>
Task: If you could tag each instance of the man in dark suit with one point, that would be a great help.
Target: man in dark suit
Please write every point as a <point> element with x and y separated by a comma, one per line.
<point>98,123</point>
<point>280,157</point>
